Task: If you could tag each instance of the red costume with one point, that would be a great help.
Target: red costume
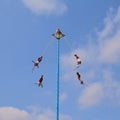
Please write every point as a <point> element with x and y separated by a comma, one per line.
<point>40,81</point>
<point>78,59</point>
<point>79,76</point>
<point>36,63</point>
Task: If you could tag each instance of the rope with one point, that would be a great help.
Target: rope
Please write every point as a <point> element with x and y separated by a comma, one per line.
<point>69,45</point>
<point>47,46</point>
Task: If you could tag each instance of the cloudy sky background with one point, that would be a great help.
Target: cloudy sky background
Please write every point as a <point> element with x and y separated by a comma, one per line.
<point>92,30</point>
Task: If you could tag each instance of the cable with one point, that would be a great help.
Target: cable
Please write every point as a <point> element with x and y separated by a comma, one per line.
<point>46,47</point>
<point>69,45</point>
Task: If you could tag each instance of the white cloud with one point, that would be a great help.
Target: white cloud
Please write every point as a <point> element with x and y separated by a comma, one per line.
<point>94,56</point>
<point>107,75</point>
<point>46,6</point>
<point>112,87</point>
<point>11,113</point>
<point>107,29</point>
<point>109,39</point>
<point>117,17</point>
<point>91,95</point>
<point>67,60</point>
<point>113,93</point>
<point>110,49</point>
<point>63,97</point>
<point>107,89</point>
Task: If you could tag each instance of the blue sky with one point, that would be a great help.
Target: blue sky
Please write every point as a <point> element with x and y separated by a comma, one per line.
<point>92,30</point>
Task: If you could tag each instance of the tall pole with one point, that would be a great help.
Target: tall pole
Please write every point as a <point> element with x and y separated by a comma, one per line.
<point>57,82</point>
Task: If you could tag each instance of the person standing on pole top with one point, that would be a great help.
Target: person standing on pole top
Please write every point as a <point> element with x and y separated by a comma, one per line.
<point>58,34</point>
